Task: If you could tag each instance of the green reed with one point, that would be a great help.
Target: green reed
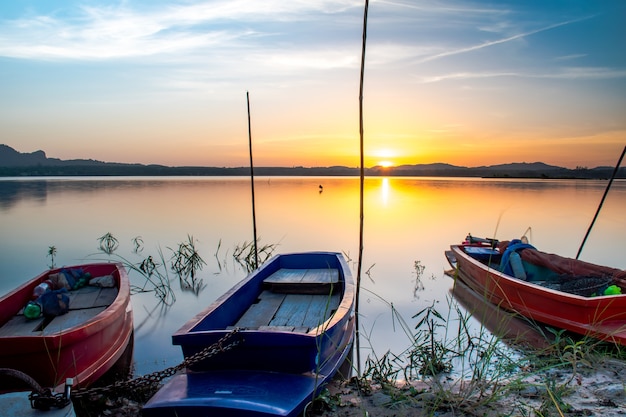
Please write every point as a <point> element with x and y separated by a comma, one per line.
<point>186,263</point>
<point>247,254</point>
<point>52,253</point>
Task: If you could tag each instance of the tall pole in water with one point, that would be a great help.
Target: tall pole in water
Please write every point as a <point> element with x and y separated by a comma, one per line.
<point>606,191</point>
<point>362,180</point>
<point>256,256</point>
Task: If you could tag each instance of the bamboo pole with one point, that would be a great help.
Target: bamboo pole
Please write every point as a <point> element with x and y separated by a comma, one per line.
<point>256,255</point>
<point>361,192</point>
<point>606,191</point>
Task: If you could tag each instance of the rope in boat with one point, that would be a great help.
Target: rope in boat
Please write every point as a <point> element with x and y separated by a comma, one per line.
<point>152,380</point>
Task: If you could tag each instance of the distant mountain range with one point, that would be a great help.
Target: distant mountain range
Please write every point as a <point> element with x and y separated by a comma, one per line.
<point>14,163</point>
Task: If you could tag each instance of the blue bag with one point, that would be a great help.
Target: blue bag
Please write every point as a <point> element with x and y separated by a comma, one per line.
<point>54,303</point>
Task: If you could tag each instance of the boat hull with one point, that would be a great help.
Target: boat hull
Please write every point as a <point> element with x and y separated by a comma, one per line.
<point>509,327</point>
<point>80,349</point>
<point>245,393</point>
<point>274,370</point>
<point>601,317</point>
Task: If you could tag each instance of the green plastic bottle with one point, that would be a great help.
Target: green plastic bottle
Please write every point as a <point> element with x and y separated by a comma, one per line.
<point>613,290</point>
<point>32,310</point>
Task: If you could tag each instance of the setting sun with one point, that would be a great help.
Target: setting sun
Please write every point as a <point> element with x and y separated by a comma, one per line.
<point>386,156</point>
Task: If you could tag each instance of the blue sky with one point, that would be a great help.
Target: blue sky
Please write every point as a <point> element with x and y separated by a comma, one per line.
<point>465,82</point>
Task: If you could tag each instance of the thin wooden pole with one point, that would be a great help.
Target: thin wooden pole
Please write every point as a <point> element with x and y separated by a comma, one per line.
<point>256,255</point>
<point>361,192</point>
<point>606,191</point>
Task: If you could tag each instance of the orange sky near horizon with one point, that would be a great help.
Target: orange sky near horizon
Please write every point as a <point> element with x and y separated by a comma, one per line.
<point>468,83</point>
<point>320,151</point>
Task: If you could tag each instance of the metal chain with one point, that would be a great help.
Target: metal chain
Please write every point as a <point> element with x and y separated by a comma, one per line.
<point>40,398</point>
<point>151,380</point>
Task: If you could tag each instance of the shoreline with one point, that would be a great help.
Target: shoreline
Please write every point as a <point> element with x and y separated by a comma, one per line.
<point>597,390</point>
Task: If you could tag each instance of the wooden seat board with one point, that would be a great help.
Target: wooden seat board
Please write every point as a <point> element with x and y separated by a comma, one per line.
<point>322,276</point>
<point>320,309</point>
<point>71,319</point>
<point>91,299</point>
<point>285,275</point>
<point>105,297</point>
<point>83,298</point>
<point>292,311</point>
<point>261,313</point>
<point>303,281</point>
<point>20,326</point>
<point>304,276</point>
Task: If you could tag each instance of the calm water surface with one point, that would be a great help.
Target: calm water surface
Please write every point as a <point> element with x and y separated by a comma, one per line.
<point>406,220</point>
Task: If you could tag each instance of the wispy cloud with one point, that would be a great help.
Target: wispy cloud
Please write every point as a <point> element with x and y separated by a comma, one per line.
<point>569,73</point>
<point>448,7</point>
<point>488,44</point>
<point>590,73</point>
<point>570,57</point>
<point>104,32</point>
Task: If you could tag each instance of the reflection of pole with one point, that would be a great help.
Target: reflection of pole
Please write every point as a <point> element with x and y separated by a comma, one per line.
<point>256,256</point>
<point>606,191</point>
<point>362,179</point>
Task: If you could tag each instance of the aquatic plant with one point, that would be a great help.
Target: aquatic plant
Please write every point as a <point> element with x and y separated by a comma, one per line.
<point>247,254</point>
<point>156,277</point>
<point>186,262</point>
<point>52,252</point>
<point>108,243</point>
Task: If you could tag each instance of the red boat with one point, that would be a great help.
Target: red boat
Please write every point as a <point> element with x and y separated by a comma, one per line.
<point>83,343</point>
<point>560,292</point>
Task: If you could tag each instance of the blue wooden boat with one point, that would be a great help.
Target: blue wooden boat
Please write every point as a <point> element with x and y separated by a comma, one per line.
<point>295,321</point>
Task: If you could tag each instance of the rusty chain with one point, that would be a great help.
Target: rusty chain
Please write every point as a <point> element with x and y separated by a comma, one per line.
<point>40,398</point>
<point>151,380</point>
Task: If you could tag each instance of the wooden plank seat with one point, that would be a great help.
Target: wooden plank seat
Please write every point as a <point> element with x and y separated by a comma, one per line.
<point>85,303</point>
<point>305,310</point>
<point>303,281</point>
<point>288,312</point>
<point>261,312</point>
<point>18,325</point>
<point>294,300</point>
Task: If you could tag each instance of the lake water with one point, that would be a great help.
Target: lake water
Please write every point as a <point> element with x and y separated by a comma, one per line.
<point>407,220</point>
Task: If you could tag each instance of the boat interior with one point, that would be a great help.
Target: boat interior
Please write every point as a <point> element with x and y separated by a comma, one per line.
<point>85,303</point>
<point>294,300</point>
<point>553,271</point>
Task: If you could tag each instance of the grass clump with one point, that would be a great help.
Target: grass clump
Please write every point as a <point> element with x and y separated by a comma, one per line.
<point>186,262</point>
<point>248,254</point>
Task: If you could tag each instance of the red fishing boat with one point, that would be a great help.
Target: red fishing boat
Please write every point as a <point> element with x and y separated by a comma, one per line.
<point>561,292</point>
<point>81,342</point>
